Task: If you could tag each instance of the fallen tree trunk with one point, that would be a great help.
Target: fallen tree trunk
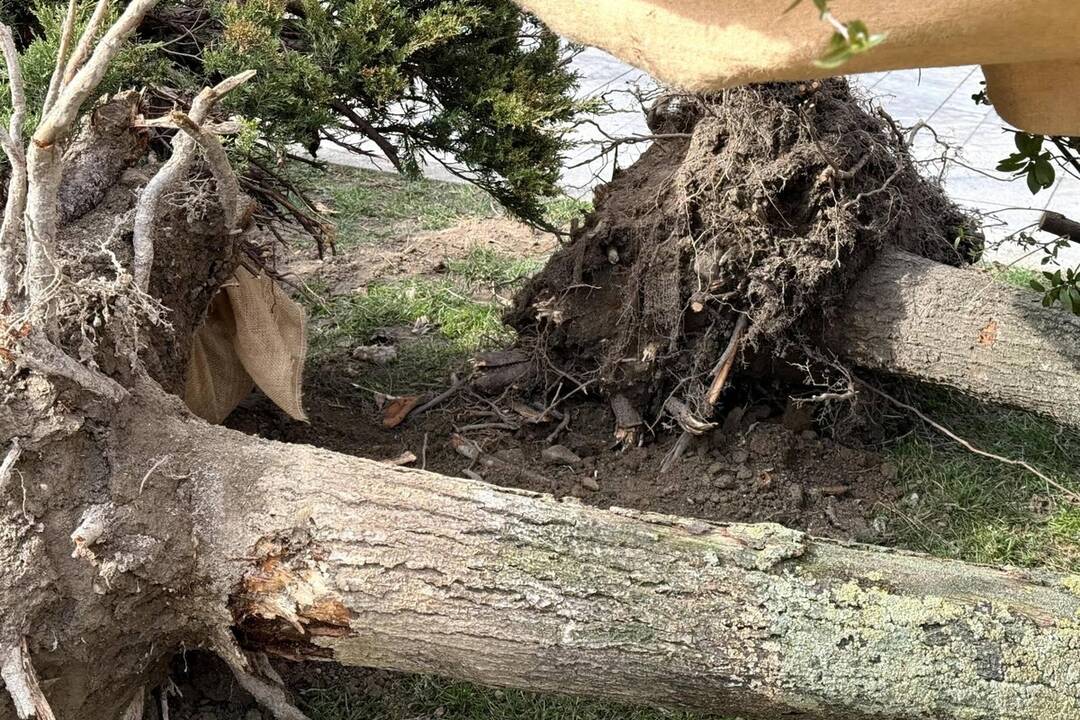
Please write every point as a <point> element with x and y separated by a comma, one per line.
<point>910,316</point>
<point>329,557</point>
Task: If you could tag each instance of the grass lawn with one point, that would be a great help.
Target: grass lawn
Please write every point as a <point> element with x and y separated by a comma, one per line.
<point>956,504</point>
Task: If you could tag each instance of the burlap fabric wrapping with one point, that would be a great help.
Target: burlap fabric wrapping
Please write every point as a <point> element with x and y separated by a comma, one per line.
<point>1028,48</point>
<point>254,334</point>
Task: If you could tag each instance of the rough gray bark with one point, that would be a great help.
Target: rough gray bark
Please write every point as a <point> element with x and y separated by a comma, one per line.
<point>957,327</point>
<point>317,555</point>
<point>320,555</point>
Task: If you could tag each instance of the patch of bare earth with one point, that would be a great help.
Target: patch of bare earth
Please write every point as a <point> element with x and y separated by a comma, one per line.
<point>421,255</point>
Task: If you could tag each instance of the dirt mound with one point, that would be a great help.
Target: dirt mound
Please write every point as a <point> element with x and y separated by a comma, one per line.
<point>764,201</point>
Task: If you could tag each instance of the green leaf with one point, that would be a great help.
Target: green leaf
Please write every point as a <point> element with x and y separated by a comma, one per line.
<point>1033,183</point>
<point>1037,286</point>
<point>1029,145</point>
<point>1044,172</point>
<point>1013,163</point>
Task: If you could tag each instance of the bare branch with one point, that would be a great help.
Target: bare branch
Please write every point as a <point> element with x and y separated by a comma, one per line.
<point>22,683</point>
<point>11,227</point>
<point>1073,496</point>
<point>371,133</point>
<point>171,172</point>
<point>43,357</point>
<point>44,161</point>
<point>227,185</point>
<point>66,32</point>
<point>61,116</point>
<point>86,42</point>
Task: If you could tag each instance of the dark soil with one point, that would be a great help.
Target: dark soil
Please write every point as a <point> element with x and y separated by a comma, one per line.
<point>760,465</point>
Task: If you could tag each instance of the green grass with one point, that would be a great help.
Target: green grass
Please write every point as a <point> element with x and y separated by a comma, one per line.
<point>561,211</point>
<point>1014,275</point>
<point>371,206</point>
<point>416,697</point>
<point>980,510</point>
<point>484,267</point>
<point>453,322</point>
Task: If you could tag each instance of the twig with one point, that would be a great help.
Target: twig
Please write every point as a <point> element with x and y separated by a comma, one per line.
<point>1073,496</point>
<point>438,399</point>
<point>554,434</point>
<point>726,362</point>
<point>150,472</point>
<point>721,372</point>
<point>490,426</point>
<point>423,453</point>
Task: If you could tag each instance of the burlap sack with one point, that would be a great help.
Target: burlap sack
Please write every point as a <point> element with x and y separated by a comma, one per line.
<point>1029,46</point>
<point>254,334</point>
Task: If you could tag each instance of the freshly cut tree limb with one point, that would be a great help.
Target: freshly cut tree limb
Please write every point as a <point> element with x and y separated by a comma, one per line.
<point>957,327</point>
<point>1058,224</point>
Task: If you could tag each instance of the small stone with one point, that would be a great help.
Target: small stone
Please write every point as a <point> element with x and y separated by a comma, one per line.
<point>560,455</point>
<point>911,500</point>
<point>740,456</point>
<point>377,354</point>
<point>590,483</point>
<point>889,471</point>
<point>808,435</point>
<point>715,469</point>
<point>725,481</point>
<point>689,501</point>
<point>744,473</point>
<point>715,497</point>
<point>798,497</point>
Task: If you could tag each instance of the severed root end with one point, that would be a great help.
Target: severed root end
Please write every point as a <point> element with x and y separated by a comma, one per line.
<point>270,695</point>
<point>22,683</point>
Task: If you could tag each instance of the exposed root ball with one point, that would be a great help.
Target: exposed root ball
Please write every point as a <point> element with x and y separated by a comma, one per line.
<point>766,201</point>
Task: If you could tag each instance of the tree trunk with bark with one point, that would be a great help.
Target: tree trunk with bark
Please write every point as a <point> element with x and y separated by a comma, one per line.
<point>130,530</point>
<point>911,316</point>
<point>203,532</point>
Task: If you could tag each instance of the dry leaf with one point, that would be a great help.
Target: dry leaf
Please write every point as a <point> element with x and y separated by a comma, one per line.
<point>398,409</point>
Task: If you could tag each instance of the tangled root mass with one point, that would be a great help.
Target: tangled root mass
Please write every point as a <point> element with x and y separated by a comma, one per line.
<point>766,201</point>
